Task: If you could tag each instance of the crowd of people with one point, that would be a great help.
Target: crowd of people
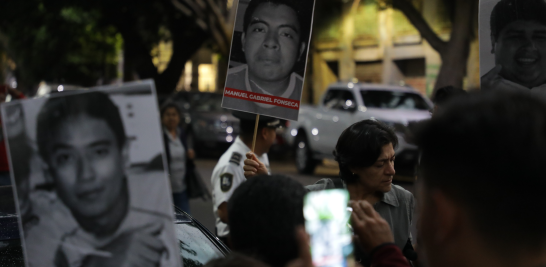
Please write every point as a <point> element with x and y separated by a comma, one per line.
<point>479,186</point>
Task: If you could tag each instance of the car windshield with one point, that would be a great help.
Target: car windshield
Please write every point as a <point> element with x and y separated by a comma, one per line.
<point>195,248</point>
<point>207,102</point>
<point>393,100</point>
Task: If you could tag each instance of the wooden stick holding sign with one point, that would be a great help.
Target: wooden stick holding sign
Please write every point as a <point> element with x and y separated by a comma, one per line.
<point>255,132</point>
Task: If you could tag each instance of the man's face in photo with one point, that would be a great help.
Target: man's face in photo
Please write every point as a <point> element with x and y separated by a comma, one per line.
<point>87,165</point>
<point>272,42</point>
<point>520,48</point>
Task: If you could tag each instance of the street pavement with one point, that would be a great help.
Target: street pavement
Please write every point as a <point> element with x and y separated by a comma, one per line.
<point>202,210</point>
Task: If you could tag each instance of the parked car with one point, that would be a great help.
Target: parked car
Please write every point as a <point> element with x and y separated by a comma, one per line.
<point>210,127</point>
<point>197,244</point>
<point>315,134</point>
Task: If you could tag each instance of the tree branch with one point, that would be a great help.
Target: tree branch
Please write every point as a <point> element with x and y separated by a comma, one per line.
<point>219,16</point>
<point>420,24</point>
<point>196,11</point>
<point>219,38</point>
<point>209,16</point>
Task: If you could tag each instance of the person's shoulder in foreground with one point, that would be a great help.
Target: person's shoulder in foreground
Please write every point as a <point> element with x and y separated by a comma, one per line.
<point>482,182</point>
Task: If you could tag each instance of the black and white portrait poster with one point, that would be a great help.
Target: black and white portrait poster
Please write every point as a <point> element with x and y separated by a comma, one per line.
<point>268,57</point>
<point>89,177</point>
<point>513,45</point>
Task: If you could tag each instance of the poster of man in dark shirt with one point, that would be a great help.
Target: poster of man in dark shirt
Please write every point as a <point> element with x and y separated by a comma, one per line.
<point>513,45</point>
<point>268,57</point>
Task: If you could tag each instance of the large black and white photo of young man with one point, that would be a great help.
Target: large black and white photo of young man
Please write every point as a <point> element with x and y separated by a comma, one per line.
<point>90,180</point>
<point>268,57</point>
<point>513,45</point>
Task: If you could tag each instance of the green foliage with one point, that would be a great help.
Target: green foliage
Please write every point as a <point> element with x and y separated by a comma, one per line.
<point>327,22</point>
<point>66,45</point>
<point>366,21</point>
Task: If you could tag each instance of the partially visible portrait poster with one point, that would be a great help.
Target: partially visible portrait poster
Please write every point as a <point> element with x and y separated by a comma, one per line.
<point>513,45</point>
<point>90,184</point>
<point>268,57</point>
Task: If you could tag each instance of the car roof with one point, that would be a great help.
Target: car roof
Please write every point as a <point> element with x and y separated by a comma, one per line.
<point>374,86</point>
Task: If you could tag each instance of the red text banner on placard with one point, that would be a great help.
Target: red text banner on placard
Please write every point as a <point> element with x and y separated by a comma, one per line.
<point>262,98</point>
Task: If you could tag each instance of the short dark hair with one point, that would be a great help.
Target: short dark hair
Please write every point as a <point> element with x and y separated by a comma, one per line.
<point>360,146</point>
<point>303,12</point>
<point>444,94</point>
<point>263,214</point>
<point>508,11</point>
<point>488,151</point>
<point>94,104</point>
<point>167,106</point>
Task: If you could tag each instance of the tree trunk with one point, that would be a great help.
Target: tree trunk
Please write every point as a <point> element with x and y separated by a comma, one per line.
<point>136,57</point>
<point>455,56</point>
<point>138,60</point>
<point>454,53</point>
<point>184,47</point>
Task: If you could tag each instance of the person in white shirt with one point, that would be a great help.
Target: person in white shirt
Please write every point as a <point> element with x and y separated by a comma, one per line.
<point>274,39</point>
<point>228,173</point>
<point>518,37</point>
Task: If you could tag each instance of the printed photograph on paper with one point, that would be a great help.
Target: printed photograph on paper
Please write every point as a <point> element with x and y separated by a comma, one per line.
<point>89,177</point>
<point>268,57</point>
<point>513,45</point>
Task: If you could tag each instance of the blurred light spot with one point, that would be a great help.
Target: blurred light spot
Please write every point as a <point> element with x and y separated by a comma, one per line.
<point>294,132</point>
<point>223,118</point>
<point>362,108</point>
<point>351,85</point>
<point>14,84</point>
<point>301,145</point>
<point>349,103</point>
<point>229,138</point>
<point>60,88</point>
<point>314,131</point>
<point>335,118</point>
<point>229,130</point>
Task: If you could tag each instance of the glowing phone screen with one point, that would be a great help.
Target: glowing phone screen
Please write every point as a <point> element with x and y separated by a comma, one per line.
<point>326,221</point>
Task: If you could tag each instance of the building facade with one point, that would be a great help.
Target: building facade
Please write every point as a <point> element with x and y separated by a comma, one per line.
<point>366,41</point>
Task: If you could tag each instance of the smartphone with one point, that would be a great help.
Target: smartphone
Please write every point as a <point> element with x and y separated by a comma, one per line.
<point>327,223</point>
